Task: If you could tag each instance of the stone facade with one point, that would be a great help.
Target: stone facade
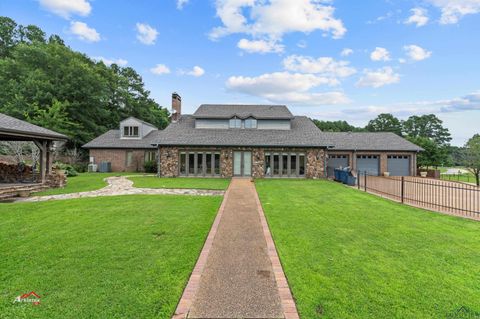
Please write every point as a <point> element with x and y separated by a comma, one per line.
<point>118,158</point>
<point>170,159</point>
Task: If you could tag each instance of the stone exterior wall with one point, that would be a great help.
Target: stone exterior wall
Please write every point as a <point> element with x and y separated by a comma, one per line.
<point>170,158</point>
<point>118,158</point>
<point>169,161</point>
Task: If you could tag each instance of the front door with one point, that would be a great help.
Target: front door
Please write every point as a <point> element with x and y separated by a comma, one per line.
<point>242,163</point>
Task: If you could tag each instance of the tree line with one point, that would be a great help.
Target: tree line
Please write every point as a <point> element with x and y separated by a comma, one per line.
<point>45,82</point>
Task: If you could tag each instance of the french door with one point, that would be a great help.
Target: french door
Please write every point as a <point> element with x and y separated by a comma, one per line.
<point>242,163</point>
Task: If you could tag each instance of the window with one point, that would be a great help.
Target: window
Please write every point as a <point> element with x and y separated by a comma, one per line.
<point>285,164</point>
<point>216,164</point>
<point>301,165</point>
<point>268,164</point>
<point>293,164</point>
<point>235,123</point>
<point>199,163</point>
<point>250,123</point>
<point>150,156</point>
<point>183,164</point>
<point>130,131</point>
<point>129,158</point>
<point>208,164</point>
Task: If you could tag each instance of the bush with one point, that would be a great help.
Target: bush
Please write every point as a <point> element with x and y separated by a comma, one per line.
<point>80,167</point>
<point>150,167</point>
<point>69,170</point>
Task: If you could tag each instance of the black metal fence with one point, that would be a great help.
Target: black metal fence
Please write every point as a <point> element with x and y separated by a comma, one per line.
<point>439,195</point>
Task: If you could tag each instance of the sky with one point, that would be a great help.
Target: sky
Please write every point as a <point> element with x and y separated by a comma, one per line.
<point>327,59</point>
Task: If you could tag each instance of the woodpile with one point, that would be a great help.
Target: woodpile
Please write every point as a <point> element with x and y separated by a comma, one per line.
<point>13,173</point>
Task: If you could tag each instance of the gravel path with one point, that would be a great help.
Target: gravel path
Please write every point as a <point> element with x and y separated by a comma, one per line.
<point>120,185</point>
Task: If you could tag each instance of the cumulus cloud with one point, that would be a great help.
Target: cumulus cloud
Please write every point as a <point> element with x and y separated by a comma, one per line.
<point>84,32</point>
<point>346,52</point>
<point>107,61</point>
<point>196,71</point>
<point>454,10</point>
<point>416,53</point>
<point>260,46</point>
<point>181,4</point>
<point>160,69</point>
<point>325,66</point>
<point>146,34</point>
<point>419,17</point>
<point>380,54</point>
<point>276,18</point>
<point>378,78</point>
<point>286,87</point>
<point>67,8</point>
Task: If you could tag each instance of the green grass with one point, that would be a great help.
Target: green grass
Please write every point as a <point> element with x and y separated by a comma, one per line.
<point>180,182</point>
<point>466,178</point>
<point>348,254</point>
<point>109,257</point>
<point>82,183</point>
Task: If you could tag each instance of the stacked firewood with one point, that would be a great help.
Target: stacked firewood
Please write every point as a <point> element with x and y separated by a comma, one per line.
<point>13,173</point>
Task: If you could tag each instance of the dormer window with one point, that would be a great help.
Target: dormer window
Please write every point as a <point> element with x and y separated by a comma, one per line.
<point>251,123</point>
<point>235,123</point>
<point>130,131</point>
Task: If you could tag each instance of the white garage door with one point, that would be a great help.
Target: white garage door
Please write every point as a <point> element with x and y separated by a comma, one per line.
<point>369,164</point>
<point>398,165</point>
<point>336,161</point>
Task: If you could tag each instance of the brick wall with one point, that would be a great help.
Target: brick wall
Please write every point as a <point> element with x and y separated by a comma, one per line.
<point>118,158</point>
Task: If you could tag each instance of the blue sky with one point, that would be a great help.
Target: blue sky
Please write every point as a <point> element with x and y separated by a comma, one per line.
<point>328,59</point>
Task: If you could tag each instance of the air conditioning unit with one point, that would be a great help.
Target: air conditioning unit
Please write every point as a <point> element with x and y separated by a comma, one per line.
<point>92,168</point>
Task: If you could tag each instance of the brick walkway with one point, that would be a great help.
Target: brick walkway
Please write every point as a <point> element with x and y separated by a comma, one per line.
<point>238,273</point>
<point>121,185</point>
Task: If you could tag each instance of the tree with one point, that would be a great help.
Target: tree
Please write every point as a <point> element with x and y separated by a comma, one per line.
<point>433,154</point>
<point>336,126</point>
<point>427,126</point>
<point>472,157</point>
<point>385,122</point>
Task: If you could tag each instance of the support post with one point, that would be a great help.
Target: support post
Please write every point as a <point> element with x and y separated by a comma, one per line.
<point>42,146</point>
<point>403,189</point>
<point>365,181</point>
<point>158,161</point>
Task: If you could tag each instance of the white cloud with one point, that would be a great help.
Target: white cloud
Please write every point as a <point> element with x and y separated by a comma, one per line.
<point>146,34</point>
<point>196,72</point>
<point>66,8</point>
<point>286,87</point>
<point>107,61</point>
<point>181,4</point>
<point>276,18</point>
<point>302,44</point>
<point>378,78</point>
<point>416,53</point>
<point>325,66</point>
<point>260,46</point>
<point>454,10</point>
<point>160,69</point>
<point>346,52</point>
<point>419,17</point>
<point>84,32</point>
<point>380,54</point>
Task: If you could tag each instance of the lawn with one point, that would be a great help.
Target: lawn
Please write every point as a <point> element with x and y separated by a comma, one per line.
<point>348,254</point>
<point>180,182</point>
<point>82,183</point>
<point>109,257</point>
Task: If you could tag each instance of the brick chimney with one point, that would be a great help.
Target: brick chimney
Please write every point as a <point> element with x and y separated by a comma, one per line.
<point>176,107</point>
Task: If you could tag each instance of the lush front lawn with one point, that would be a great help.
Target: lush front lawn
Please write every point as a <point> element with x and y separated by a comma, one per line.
<point>82,183</point>
<point>109,257</point>
<point>180,182</point>
<point>348,254</point>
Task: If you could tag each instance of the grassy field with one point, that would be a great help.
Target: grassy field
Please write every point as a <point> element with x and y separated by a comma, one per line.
<point>348,254</point>
<point>82,183</point>
<point>110,257</point>
<point>181,182</point>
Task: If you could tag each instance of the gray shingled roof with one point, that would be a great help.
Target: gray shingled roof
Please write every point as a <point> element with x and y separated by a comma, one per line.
<point>243,111</point>
<point>10,126</point>
<point>364,141</point>
<point>304,133</point>
<point>111,139</point>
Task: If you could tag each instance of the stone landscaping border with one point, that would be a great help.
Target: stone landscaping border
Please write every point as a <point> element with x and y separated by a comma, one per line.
<point>286,298</point>
<point>191,289</point>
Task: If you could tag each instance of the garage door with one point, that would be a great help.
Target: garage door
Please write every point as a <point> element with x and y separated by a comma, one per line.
<point>336,161</point>
<point>369,164</point>
<point>398,165</point>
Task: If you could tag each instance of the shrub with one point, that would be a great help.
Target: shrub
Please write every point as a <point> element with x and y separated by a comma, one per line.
<point>80,167</point>
<point>150,167</point>
<point>69,170</point>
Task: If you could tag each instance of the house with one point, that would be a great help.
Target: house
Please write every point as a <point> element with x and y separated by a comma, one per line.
<point>250,140</point>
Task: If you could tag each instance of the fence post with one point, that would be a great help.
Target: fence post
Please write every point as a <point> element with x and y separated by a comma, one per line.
<point>358,179</point>
<point>403,188</point>
<point>365,181</point>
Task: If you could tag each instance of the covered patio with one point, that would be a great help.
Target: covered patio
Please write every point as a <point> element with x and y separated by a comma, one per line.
<point>12,129</point>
